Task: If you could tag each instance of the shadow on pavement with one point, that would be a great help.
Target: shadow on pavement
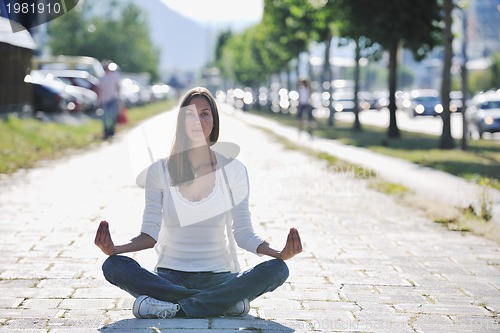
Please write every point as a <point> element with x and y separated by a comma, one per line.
<point>243,324</point>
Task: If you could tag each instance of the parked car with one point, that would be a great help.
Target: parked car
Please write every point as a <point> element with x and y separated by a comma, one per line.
<point>86,99</point>
<point>456,103</point>
<point>58,62</point>
<point>381,99</point>
<point>366,100</point>
<point>483,114</point>
<point>78,78</point>
<point>48,97</point>
<point>130,92</point>
<point>423,102</point>
<point>343,101</point>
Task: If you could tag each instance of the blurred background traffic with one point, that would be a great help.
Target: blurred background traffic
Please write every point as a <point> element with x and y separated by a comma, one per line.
<point>254,62</point>
<point>419,66</point>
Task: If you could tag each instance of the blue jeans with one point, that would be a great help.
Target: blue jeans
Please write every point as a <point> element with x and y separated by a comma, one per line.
<point>305,108</point>
<point>203,294</point>
<point>110,112</point>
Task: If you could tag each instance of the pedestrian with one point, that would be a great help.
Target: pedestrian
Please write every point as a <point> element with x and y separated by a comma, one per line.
<point>196,211</point>
<point>304,90</point>
<point>108,93</point>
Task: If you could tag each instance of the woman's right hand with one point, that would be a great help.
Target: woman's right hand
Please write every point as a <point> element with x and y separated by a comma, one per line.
<point>103,239</point>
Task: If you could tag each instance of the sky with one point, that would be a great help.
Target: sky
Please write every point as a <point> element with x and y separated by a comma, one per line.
<point>235,13</point>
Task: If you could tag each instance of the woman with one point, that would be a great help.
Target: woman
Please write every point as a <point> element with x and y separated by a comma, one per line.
<point>197,193</point>
<point>108,94</point>
<point>304,90</point>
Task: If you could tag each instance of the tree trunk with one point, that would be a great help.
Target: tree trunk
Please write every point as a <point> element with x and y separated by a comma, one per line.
<point>357,123</point>
<point>297,72</point>
<point>309,67</point>
<point>393,131</point>
<point>288,77</point>
<point>464,76</point>
<point>446,141</point>
<point>329,77</point>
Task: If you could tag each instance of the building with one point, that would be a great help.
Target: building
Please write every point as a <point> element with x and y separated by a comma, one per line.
<point>16,51</point>
<point>483,28</point>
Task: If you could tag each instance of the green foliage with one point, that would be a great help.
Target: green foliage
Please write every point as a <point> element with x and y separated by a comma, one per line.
<point>222,39</point>
<point>495,70</point>
<point>415,23</point>
<point>284,30</point>
<point>406,77</point>
<point>485,201</point>
<point>121,35</point>
<point>288,26</point>
<point>268,47</point>
<point>240,60</point>
<point>479,80</point>
<point>324,17</point>
<point>482,80</point>
<point>389,188</point>
<point>24,142</point>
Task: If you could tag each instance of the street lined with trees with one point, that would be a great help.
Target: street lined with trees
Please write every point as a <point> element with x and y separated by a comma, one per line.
<point>288,28</point>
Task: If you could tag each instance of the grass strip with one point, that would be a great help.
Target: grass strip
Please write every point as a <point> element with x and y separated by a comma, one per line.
<point>480,163</point>
<point>24,142</point>
<point>450,217</point>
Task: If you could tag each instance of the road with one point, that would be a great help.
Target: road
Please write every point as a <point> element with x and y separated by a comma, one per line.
<point>422,124</point>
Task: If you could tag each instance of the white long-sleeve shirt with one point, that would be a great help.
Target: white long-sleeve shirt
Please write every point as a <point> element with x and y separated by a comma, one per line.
<point>109,87</point>
<point>192,236</point>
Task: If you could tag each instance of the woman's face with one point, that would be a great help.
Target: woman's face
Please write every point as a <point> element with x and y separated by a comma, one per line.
<point>199,120</point>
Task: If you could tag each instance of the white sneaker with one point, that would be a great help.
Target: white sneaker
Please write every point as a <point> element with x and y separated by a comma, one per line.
<point>146,307</point>
<point>239,309</point>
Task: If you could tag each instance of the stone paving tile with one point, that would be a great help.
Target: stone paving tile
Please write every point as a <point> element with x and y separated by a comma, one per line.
<point>75,303</point>
<point>36,303</point>
<point>10,302</point>
<point>86,313</point>
<point>444,309</point>
<point>271,303</point>
<point>97,292</point>
<point>28,330</point>
<point>369,264</point>
<point>34,314</point>
<point>26,323</point>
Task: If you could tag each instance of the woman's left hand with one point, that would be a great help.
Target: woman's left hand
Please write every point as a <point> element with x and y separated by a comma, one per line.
<point>293,245</point>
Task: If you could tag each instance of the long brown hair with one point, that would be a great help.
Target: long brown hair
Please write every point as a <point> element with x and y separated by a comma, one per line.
<point>179,166</point>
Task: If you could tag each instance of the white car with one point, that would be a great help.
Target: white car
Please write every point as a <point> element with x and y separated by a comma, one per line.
<point>483,113</point>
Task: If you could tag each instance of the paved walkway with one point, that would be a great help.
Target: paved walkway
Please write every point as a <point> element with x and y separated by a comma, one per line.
<point>369,264</point>
<point>430,183</point>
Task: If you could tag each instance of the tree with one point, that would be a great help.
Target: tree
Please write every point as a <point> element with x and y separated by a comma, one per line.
<point>325,15</point>
<point>464,74</point>
<point>495,70</point>
<point>241,60</point>
<point>69,31</point>
<point>364,46</point>
<point>121,35</point>
<point>412,24</point>
<point>286,34</point>
<point>222,39</point>
<point>265,49</point>
<point>446,140</point>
